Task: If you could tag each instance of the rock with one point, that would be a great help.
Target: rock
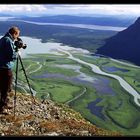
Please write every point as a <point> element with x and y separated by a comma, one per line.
<point>45,118</point>
<point>2,134</point>
<point>52,134</point>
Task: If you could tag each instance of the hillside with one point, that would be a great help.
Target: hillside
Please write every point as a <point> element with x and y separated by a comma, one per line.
<point>46,118</point>
<point>124,45</point>
<point>101,20</point>
<point>71,36</point>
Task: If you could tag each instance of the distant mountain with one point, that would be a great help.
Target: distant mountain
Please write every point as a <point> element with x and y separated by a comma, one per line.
<point>105,21</point>
<point>5,15</point>
<point>71,36</point>
<point>124,45</point>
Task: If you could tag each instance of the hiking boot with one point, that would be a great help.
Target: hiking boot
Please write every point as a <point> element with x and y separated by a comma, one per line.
<point>4,111</point>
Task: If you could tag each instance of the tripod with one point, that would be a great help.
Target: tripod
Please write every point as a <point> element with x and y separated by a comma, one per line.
<point>17,61</point>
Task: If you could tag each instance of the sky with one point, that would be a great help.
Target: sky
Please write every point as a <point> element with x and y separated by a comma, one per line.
<point>80,9</point>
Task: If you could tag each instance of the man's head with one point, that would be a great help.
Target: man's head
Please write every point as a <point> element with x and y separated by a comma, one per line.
<point>14,31</point>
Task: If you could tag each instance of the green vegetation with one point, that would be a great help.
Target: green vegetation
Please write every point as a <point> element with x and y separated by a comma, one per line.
<point>120,112</point>
<point>59,93</point>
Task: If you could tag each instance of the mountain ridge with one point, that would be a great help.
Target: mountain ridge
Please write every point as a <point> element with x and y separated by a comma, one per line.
<point>124,45</point>
<point>73,19</point>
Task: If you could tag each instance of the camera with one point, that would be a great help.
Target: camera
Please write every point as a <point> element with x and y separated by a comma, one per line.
<point>19,44</point>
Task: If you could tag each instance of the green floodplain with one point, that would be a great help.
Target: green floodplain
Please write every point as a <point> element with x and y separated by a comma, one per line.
<point>102,100</point>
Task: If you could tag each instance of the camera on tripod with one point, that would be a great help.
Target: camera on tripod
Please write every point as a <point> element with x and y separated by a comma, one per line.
<point>19,44</point>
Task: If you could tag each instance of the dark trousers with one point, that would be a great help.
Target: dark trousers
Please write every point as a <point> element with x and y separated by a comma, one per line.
<point>5,85</point>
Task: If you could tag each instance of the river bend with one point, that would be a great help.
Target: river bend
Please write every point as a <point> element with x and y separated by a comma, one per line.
<point>97,70</point>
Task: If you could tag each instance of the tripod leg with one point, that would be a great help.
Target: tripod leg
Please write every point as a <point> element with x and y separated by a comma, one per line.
<point>26,77</point>
<point>16,84</point>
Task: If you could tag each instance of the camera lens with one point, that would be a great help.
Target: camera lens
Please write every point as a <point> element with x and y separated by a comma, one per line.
<point>19,44</point>
<point>24,46</point>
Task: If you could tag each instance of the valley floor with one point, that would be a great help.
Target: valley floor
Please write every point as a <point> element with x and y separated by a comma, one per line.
<point>99,98</point>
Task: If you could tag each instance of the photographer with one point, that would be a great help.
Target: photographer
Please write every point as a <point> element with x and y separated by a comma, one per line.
<point>8,55</point>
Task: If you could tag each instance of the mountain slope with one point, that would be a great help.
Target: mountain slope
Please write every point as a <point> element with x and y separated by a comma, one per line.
<point>46,118</point>
<point>103,20</point>
<point>124,45</point>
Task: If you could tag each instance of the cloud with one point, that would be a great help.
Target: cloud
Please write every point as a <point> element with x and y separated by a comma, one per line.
<point>22,8</point>
<point>109,9</point>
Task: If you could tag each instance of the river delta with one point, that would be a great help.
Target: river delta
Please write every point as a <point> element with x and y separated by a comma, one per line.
<point>99,88</point>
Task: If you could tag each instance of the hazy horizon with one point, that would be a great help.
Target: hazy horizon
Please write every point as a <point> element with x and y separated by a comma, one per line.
<point>122,10</point>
